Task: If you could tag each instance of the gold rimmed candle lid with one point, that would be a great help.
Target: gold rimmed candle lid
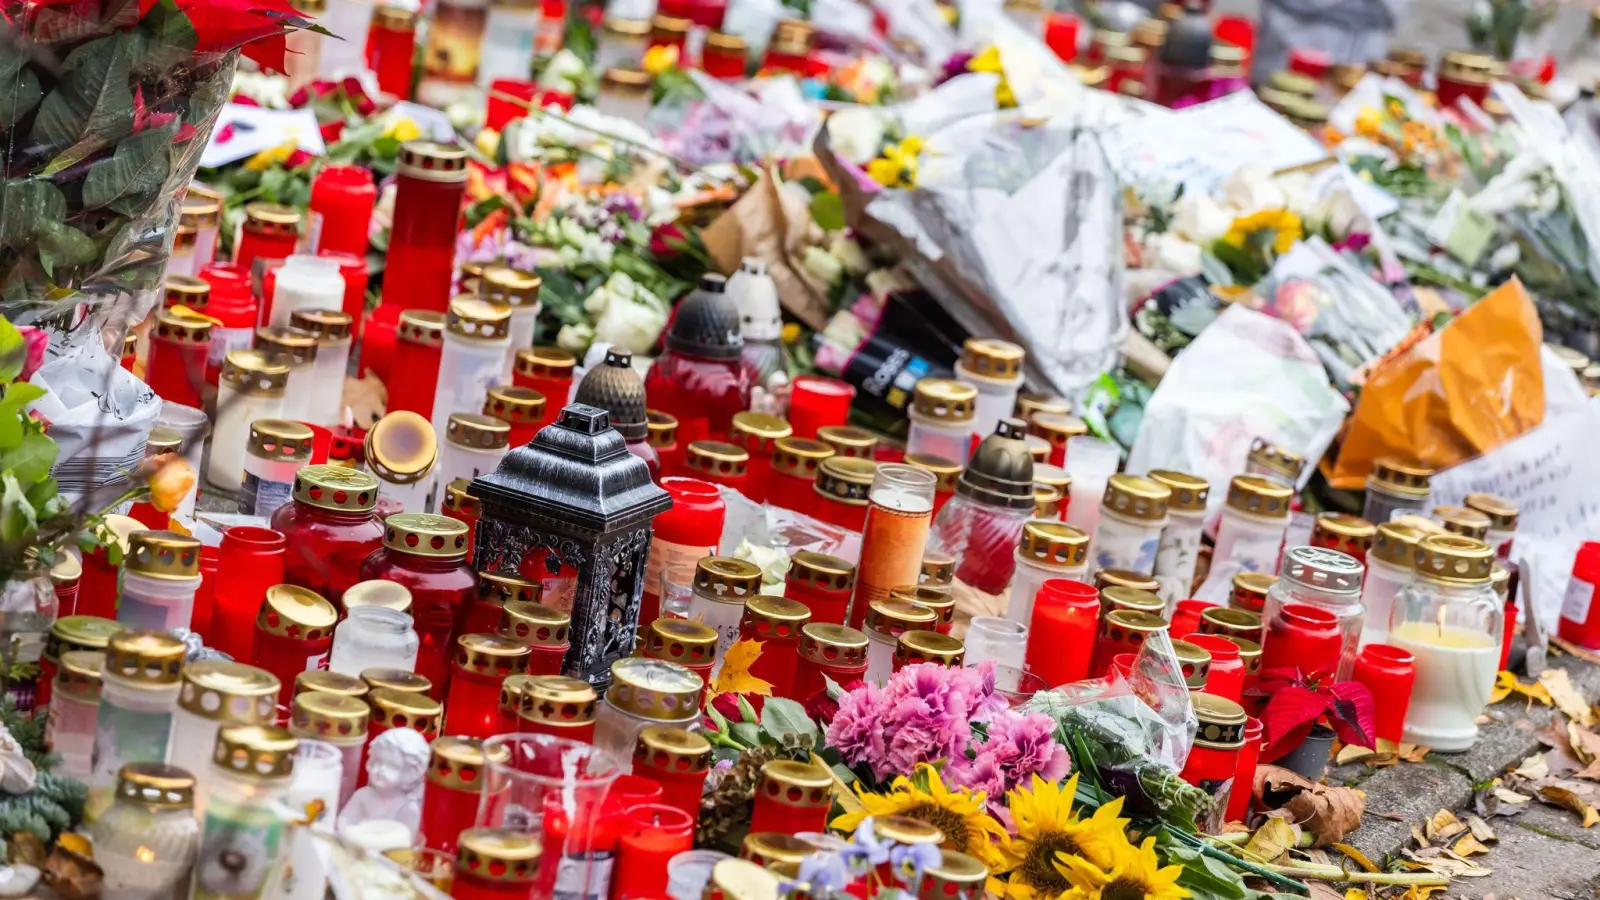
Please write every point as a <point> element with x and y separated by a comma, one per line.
<point>1188,492</point>
<point>151,659</point>
<point>1222,722</point>
<point>826,643</point>
<point>892,618</point>
<point>625,80</point>
<point>255,373</point>
<point>938,569</point>
<point>1399,476</point>
<point>514,405</point>
<point>1394,544</point>
<point>1105,578</point>
<point>477,319</point>
<point>675,750</point>
<point>681,641</point>
<point>717,459</point>
<point>1195,663</point>
<point>795,784</point>
<point>1030,405</point>
<point>458,762</point>
<point>957,876</point>
<point>1249,652</point>
<point>915,647</point>
<point>165,555</point>
<point>1500,580</point>
<point>756,432</point>
<point>822,571</point>
<point>511,692</point>
<point>279,440</point>
<point>406,709</point>
<point>1118,596</point>
<point>199,211</point>
<point>1281,461</point>
<point>155,786</point>
<point>535,624</point>
<point>655,689</point>
<point>1463,520</point>
<point>385,679</point>
<point>295,612</point>
<point>330,683</point>
<point>726,579</point>
<point>334,718</point>
<point>558,700</point>
<point>661,430</point>
<point>727,43</point>
<point>273,219</point>
<point>335,488</point>
<point>777,852</point>
<point>424,327</point>
<point>500,855</point>
<point>297,346</point>
<point>500,588</point>
<point>70,633</point>
<point>181,329</point>
<point>1343,532</point>
<point>1056,428</point>
<point>799,457</point>
<point>944,471</point>
<point>432,161</point>
<point>944,400</point>
<point>1256,495</point>
<point>1039,450</point>
<point>78,674</point>
<point>229,692</point>
<point>772,618</point>
<point>402,448</point>
<point>1056,544</point>
<point>847,440</point>
<point>327,326</point>
<point>1454,559</point>
<point>846,479</point>
<point>502,284</point>
<point>1249,591</point>
<point>545,362</point>
<point>1225,621</point>
<point>1130,626</point>
<point>991,359</point>
<point>377,592</point>
<point>459,500</point>
<point>1502,513</point>
<point>255,751</point>
<point>491,654</point>
<point>936,597</point>
<point>424,534</point>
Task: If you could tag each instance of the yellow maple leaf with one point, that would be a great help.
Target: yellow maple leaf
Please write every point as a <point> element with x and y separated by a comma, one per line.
<point>1506,684</point>
<point>735,677</point>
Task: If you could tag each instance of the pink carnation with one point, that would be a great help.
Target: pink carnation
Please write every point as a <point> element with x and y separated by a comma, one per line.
<point>1024,746</point>
<point>857,729</point>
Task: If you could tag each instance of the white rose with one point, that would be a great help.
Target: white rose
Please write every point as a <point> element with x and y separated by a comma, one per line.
<point>1199,218</point>
<point>849,252</point>
<point>575,338</point>
<point>631,324</point>
<point>623,285</point>
<point>597,302</point>
<point>823,265</point>
<point>1340,213</point>
<point>572,233</point>
<point>1171,253</point>
<point>1252,190</point>
<point>855,133</point>
<point>560,73</point>
<point>1297,196</point>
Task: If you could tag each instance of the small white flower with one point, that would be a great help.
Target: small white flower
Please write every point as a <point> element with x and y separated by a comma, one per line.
<point>1252,190</point>
<point>575,338</point>
<point>1172,253</point>
<point>850,255</point>
<point>855,133</point>
<point>562,72</point>
<point>1199,218</point>
<point>596,303</point>
<point>823,265</point>
<point>623,285</point>
<point>632,324</point>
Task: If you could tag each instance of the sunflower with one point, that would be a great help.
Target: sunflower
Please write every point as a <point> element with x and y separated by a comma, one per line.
<point>1135,874</point>
<point>959,814</point>
<point>1285,226</point>
<point>1047,826</point>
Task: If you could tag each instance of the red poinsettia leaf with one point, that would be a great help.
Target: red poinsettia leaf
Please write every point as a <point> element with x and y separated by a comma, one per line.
<point>1354,713</point>
<point>1272,751</point>
<point>1291,708</point>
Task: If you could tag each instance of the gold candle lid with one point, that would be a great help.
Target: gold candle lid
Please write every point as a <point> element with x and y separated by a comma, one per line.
<point>956,877</point>
<point>432,161</point>
<point>155,786</point>
<point>471,431</point>
<point>229,692</point>
<point>181,329</point>
<point>271,219</point>
<point>1038,450</point>
<point>1105,578</point>
<point>558,700</point>
<point>1399,476</point>
<point>795,784</point>
<point>514,405</point>
<point>756,432</point>
<point>199,211</point>
<point>299,347</point>
<point>1250,591</point>
<point>424,327</point>
<point>501,855</point>
<point>1189,492</point>
<point>1249,652</point>
<point>777,852</point>
<point>849,441</point>
<point>423,534</point>
<point>1227,621</point>
<point>1195,662</point>
<point>991,359</point>
<point>792,36</point>
<point>906,830</point>
<point>717,458</point>
<point>928,596</point>
<point>892,618</point>
<point>70,633</point>
<point>1279,460</point>
<point>821,571</point>
<point>1056,428</point>
<point>1118,596</point>
<point>255,751</point>
<point>150,659</point>
<point>1453,559</point>
<point>826,643</point>
<point>655,689</point>
<point>406,709</point>
<point>1130,626</point>
<point>846,479</point>
<point>1222,722</point>
<point>502,284</point>
<point>1054,544</point>
<point>944,400</point>
<point>187,290</point>
<point>725,579</point>
<point>335,488</point>
<point>164,555</point>
<point>402,448</point>
<point>1502,513</point>
<point>1463,520</point>
<point>1258,496</point>
<point>1500,580</point>
<point>477,319</point>
<point>500,588</point>
<point>535,625</point>
<point>458,762</point>
<point>545,362</point>
<point>377,592</point>
<point>727,43</point>
<point>328,326</point>
<point>295,612</point>
<point>1343,532</point>
<point>662,430</point>
<point>681,641</point>
<point>255,373</point>
<point>938,568</point>
<point>330,683</point>
<point>511,692</point>
<point>741,879</point>
<point>799,457</point>
<point>68,568</point>
<point>774,618</point>
<point>1046,502</point>
<point>1395,544</point>
<point>675,750</point>
<point>379,678</point>
<point>491,655</point>
<point>79,674</point>
<point>944,471</point>
<point>280,440</point>
<point>334,718</point>
<point>459,501</point>
<point>915,647</point>
<point>1030,405</point>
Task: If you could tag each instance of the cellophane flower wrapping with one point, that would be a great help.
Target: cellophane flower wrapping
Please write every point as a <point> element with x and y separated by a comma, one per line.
<point>106,106</point>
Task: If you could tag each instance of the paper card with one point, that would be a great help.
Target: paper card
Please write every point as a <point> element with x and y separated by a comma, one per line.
<point>433,122</point>
<point>255,129</point>
<point>1373,200</point>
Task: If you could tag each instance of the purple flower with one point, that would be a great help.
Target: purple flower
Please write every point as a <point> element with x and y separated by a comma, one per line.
<point>911,860</point>
<point>920,732</point>
<point>824,872</point>
<point>858,730</point>
<point>1024,746</point>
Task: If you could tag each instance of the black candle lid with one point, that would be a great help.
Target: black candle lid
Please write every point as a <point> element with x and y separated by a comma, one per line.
<point>614,387</point>
<point>707,323</point>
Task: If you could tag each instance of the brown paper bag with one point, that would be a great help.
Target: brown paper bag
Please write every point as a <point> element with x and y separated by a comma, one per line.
<point>1458,393</point>
<point>768,224</point>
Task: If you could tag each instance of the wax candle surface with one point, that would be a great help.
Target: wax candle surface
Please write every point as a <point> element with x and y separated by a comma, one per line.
<point>1455,673</point>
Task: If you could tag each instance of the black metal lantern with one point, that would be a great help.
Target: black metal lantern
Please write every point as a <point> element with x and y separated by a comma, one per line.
<point>573,509</point>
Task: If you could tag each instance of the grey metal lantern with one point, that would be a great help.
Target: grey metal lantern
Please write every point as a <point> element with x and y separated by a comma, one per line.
<point>572,509</point>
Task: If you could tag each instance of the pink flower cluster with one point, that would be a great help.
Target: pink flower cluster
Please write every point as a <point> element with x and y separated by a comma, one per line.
<point>925,714</point>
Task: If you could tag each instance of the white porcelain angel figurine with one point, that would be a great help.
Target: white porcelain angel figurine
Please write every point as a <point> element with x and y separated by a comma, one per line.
<point>397,760</point>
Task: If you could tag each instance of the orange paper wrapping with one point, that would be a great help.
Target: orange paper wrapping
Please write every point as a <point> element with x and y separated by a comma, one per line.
<point>1458,393</point>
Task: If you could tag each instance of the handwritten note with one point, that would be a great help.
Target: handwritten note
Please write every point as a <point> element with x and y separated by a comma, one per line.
<point>1553,475</point>
<point>244,131</point>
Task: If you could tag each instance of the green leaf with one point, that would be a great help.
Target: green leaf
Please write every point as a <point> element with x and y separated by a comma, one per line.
<point>827,210</point>
<point>42,493</point>
<point>24,204</point>
<point>30,462</point>
<point>746,733</point>
<point>138,168</point>
<point>1206,878</point>
<point>746,711</point>
<point>17,519</point>
<point>167,38</point>
<point>61,244</point>
<point>206,99</point>
<point>13,354</point>
<point>717,718</point>
<point>19,94</point>
<point>781,716</point>
<point>91,108</point>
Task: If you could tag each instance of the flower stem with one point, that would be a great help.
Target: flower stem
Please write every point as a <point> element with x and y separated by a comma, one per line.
<point>1334,873</point>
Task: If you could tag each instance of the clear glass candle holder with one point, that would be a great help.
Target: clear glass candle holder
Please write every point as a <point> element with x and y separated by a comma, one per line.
<point>996,640</point>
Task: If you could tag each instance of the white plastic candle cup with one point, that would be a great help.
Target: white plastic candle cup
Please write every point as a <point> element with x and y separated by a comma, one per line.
<point>951,440</point>
<point>306,282</point>
<point>997,397</point>
<point>1091,461</point>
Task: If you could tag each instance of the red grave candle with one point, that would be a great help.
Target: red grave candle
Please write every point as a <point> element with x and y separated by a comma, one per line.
<point>789,48</point>
<point>663,437</point>
<point>757,433</point>
<point>651,835</point>
<point>294,630</point>
<point>452,789</point>
<point>395,708</point>
<point>485,612</point>
<point>558,706</point>
<point>791,797</point>
<point>823,583</point>
<point>1389,672</point>
<point>98,587</point>
<point>270,231</point>
<point>428,555</point>
<point>841,491</point>
<point>342,198</point>
<point>510,719</point>
<point>231,302</point>
<point>677,759</point>
<point>1244,777</point>
<point>817,402</point>
<point>430,182</point>
<point>520,407</point>
<point>330,527</point>
<point>1186,618</point>
<point>548,371</point>
<point>179,348</point>
<point>837,652</point>
<point>918,647</point>
<point>1250,657</point>
<point>723,56</point>
<point>500,864</point>
<point>1061,634</point>
<point>353,269</point>
<point>692,645</point>
<point>690,529</point>
<point>205,596</point>
<point>461,506</point>
<point>700,378</point>
<point>1580,615</point>
<point>1301,637</point>
<point>482,664</point>
<point>1122,631</point>
<point>795,462</point>
<point>391,48</point>
<point>630,791</point>
<point>544,630</point>
<point>718,462</point>
<point>1214,760</point>
<point>1225,678</point>
<point>414,374</point>
<point>776,623</point>
<point>250,561</point>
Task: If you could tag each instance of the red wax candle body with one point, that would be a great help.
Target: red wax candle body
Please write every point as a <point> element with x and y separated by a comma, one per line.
<point>176,369</point>
<point>779,657</point>
<point>422,242</point>
<point>342,198</point>
<point>682,782</point>
<point>287,657</point>
<point>1062,633</point>
<point>808,675</point>
<point>723,63</point>
<point>828,601</point>
<point>233,305</point>
<point>1584,631</point>
<point>326,548</point>
<point>817,402</point>
<point>651,835</point>
<point>353,269</point>
<point>1226,675</point>
<point>205,596</point>
<point>414,374</point>
<point>771,814</point>
<point>703,394</point>
<point>391,53</point>
<point>254,245</point>
<point>97,589</point>
<point>249,561</point>
<point>583,732</point>
<point>441,587</point>
<point>473,706</point>
<point>1301,637</point>
<point>691,529</point>
<point>790,491</point>
<point>1186,618</point>
<point>1209,767</point>
<point>1244,777</point>
<point>1389,672</point>
<point>837,512</point>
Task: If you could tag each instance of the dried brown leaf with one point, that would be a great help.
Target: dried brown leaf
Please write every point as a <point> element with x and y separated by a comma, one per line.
<point>1356,856</point>
<point>1443,864</point>
<point>1274,839</point>
<point>1567,698</point>
<point>1443,826</point>
<point>1350,753</point>
<point>1534,766</point>
<point>1320,891</point>
<point>1410,752</point>
<point>1568,799</point>
<point>1469,846</point>
<point>1591,772</point>
<point>1481,830</point>
<point>1328,813</point>
<point>1419,837</point>
<point>1509,796</point>
<point>1585,743</point>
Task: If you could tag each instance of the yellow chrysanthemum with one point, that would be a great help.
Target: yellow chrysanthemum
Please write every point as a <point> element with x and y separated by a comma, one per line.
<point>269,157</point>
<point>897,167</point>
<point>959,814</point>
<point>488,142</point>
<point>1047,827</point>
<point>1135,874</point>
<point>660,58</point>
<point>986,61</point>
<point>1285,225</point>
<point>402,129</point>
